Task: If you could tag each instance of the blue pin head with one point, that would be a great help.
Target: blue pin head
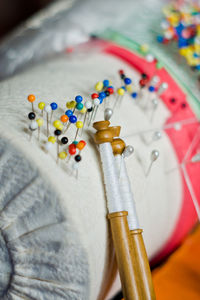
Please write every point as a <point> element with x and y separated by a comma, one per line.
<point>106,83</point>
<point>151,88</point>
<point>134,95</point>
<point>54,105</point>
<point>73,119</point>
<point>102,95</point>
<point>127,81</point>
<point>69,113</point>
<point>78,99</point>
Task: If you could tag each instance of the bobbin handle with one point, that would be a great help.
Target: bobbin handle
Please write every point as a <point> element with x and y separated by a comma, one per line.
<point>124,255</point>
<point>142,265</point>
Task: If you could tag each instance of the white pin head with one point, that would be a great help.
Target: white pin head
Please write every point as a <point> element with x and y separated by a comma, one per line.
<point>108,112</point>
<point>163,87</point>
<point>47,109</point>
<point>155,79</point>
<point>96,101</point>
<point>128,151</point>
<point>88,104</point>
<point>33,126</point>
<point>154,103</point>
<point>48,146</point>
<point>157,136</point>
<point>154,155</point>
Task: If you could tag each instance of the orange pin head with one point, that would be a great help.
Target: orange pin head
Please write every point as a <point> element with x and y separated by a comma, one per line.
<point>64,118</point>
<point>81,144</point>
<point>31,98</point>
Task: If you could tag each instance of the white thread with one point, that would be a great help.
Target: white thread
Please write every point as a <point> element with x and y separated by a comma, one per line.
<point>126,193</point>
<point>114,199</point>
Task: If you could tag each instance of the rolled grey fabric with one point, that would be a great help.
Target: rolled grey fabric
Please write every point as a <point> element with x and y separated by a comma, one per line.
<point>41,256</point>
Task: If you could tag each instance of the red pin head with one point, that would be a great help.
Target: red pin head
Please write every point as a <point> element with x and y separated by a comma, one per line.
<point>94,96</point>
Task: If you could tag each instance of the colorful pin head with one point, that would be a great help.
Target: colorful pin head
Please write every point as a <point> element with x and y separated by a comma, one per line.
<point>64,118</point>
<point>106,83</point>
<point>79,124</point>
<point>41,105</point>
<point>72,149</point>
<point>79,106</point>
<point>62,155</point>
<point>102,95</point>
<point>94,96</point>
<point>72,119</point>
<point>54,105</point>
<point>71,104</point>
<point>83,110</point>
<point>127,81</point>
<point>52,139</point>
<point>31,98</point>
<point>99,86</point>
<point>81,144</point>
<point>58,125</point>
<point>120,91</point>
<point>78,99</point>
<point>40,122</point>
<point>69,113</point>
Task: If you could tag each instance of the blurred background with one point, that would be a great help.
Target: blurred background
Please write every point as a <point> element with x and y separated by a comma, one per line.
<point>14,12</point>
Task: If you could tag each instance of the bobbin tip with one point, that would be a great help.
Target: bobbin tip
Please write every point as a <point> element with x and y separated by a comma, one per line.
<point>115,130</point>
<point>101,125</point>
<point>118,146</point>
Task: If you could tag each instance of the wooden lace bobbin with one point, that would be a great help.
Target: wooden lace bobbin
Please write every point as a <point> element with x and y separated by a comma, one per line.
<point>120,230</point>
<point>141,263</point>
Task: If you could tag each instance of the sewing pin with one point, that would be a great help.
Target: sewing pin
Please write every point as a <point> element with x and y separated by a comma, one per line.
<point>47,109</point>
<point>108,112</point>
<point>54,106</point>
<point>71,104</point>
<point>72,120</point>
<point>99,86</point>
<point>78,99</point>
<point>81,145</point>
<point>75,165</point>
<point>162,88</point>
<point>154,157</point>
<point>64,119</point>
<point>62,155</point>
<point>64,140</point>
<point>120,94</point>
<point>40,123</point>
<point>71,150</point>
<point>31,99</point>
<point>154,107</point>
<point>41,106</point>
<point>57,133</point>
<point>128,151</point>
<point>79,125</point>
<point>33,126</point>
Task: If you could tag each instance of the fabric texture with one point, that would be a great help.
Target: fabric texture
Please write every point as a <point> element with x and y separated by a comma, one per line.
<point>40,258</point>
